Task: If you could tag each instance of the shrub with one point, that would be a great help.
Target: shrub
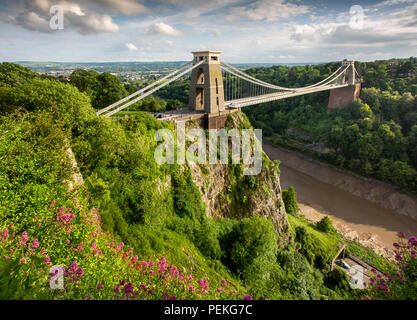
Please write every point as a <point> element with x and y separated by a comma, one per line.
<point>290,200</point>
<point>337,279</point>
<point>250,238</point>
<point>325,225</point>
<point>206,239</point>
<point>399,281</point>
<point>93,266</point>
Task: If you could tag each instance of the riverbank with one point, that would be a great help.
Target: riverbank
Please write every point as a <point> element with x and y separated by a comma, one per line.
<point>361,209</point>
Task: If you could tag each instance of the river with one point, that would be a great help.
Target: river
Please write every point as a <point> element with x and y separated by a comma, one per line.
<point>355,216</point>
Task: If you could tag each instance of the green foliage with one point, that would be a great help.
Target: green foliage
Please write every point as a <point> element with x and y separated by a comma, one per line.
<point>155,210</point>
<point>69,108</point>
<point>13,75</point>
<point>250,238</point>
<point>399,282</point>
<point>337,279</point>
<point>301,279</point>
<point>7,100</point>
<point>102,88</point>
<point>187,199</point>
<point>34,164</point>
<point>372,137</point>
<point>325,225</point>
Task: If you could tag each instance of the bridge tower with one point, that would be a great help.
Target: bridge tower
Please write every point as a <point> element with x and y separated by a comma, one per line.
<point>342,97</point>
<point>206,88</point>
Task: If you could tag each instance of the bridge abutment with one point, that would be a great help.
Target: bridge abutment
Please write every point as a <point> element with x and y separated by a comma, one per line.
<point>341,97</point>
<point>215,121</point>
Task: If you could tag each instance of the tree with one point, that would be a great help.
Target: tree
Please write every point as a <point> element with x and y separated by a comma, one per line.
<point>110,90</point>
<point>408,67</point>
<point>103,89</point>
<point>280,123</point>
<point>173,104</point>
<point>412,145</point>
<point>249,239</point>
<point>86,81</point>
<point>290,200</point>
<point>337,279</point>
<point>8,101</point>
<point>65,103</point>
<point>325,225</point>
<point>13,75</point>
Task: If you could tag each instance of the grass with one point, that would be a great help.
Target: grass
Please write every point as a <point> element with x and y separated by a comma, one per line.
<point>327,241</point>
<point>332,242</point>
<point>128,113</point>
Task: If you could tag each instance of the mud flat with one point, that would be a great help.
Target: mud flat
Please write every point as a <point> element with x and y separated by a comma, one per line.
<point>362,209</point>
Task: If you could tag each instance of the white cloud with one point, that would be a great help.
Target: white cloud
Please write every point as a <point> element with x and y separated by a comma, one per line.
<point>93,23</point>
<point>73,8</point>
<point>244,30</point>
<point>34,15</point>
<point>31,20</point>
<point>268,10</point>
<point>162,28</point>
<point>131,47</point>
<point>389,3</point>
<point>125,7</point>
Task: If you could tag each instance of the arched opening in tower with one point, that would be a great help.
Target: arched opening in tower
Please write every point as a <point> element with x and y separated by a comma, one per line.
<point>200,76</point>
<point>199,99</point>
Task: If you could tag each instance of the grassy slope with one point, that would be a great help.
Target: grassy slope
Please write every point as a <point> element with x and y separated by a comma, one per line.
<point>123,181</point>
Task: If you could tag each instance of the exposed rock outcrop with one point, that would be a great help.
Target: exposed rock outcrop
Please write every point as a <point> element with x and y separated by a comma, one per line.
<point>228,195</point>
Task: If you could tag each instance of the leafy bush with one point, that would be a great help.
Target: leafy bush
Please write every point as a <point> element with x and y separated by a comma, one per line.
<point>290,200</point>
<point>301,279</point>
<point>337,279</point>
<point>13,75</point>
<point>325,225</point>
<point>372,136</point>
<point>103,88</point>
<point>250,238</point>
<point>93,266</point>
<point>400,281</point>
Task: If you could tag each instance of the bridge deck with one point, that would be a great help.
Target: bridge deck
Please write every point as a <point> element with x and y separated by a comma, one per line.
<point>244,102</point>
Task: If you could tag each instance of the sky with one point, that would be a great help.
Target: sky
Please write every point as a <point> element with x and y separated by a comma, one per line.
<point>245,31</point>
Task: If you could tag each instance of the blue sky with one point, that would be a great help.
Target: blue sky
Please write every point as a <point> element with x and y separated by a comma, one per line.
<point>244,30</point>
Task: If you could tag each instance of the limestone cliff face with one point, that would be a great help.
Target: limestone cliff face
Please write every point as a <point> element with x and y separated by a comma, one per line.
<point>228,193</point>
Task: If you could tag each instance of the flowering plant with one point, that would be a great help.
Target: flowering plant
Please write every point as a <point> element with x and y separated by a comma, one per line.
<point>400,281</point>
<point>90,264</point>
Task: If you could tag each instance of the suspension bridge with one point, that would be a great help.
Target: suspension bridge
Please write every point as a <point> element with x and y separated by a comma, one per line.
<point>218,88</point>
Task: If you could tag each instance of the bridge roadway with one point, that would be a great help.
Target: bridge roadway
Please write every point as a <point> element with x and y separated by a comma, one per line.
<point>244,102</point>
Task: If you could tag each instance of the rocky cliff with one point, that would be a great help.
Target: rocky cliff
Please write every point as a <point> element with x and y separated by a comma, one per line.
<point>230,194</point>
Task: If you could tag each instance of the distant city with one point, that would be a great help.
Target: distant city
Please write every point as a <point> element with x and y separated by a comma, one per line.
<point>126,71</point>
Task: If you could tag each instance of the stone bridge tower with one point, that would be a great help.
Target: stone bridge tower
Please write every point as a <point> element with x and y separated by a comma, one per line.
<point>342,97</point>
<point>206,88</point>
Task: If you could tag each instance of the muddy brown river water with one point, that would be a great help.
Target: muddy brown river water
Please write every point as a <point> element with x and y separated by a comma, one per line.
<point>321,192</point>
